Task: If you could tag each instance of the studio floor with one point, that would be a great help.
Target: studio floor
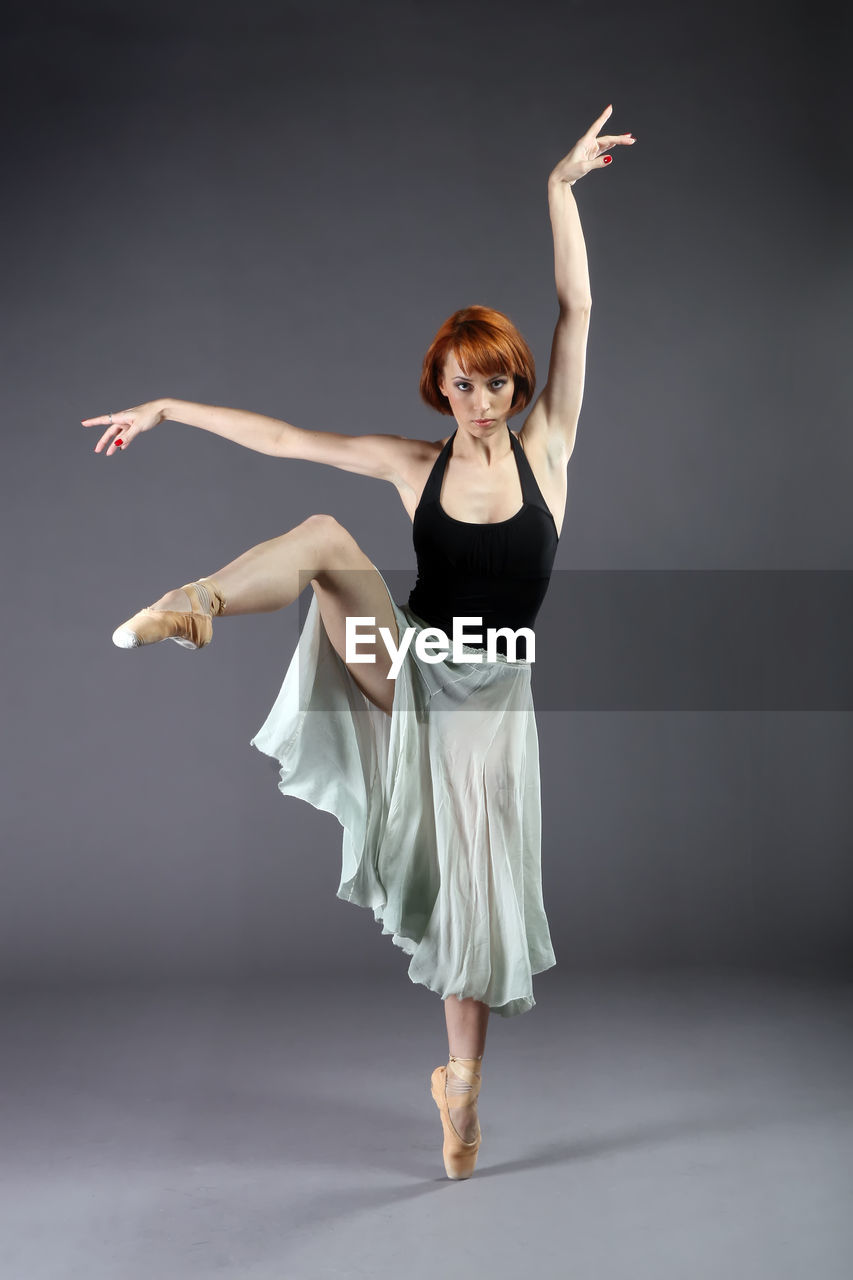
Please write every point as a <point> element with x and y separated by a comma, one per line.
<point>673,1126</point>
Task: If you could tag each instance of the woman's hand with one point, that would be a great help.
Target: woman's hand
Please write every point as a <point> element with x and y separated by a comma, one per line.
<point>588,152</point>
<point>126,425</point>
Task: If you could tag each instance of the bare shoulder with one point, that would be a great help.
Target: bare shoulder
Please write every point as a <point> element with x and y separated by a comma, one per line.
<point>542,443</point>
<point>398,459</point>
<point>415,461</point>
<point>548,457</point>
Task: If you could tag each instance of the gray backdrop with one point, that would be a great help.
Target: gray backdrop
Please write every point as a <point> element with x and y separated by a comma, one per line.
<point>274,206</point>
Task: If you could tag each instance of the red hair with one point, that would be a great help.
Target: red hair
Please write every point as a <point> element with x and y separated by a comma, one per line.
<point>484,341</point>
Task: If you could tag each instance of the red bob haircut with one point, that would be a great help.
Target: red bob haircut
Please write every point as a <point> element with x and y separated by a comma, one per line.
<point>484,341</point>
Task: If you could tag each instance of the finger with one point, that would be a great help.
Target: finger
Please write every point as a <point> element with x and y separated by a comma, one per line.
<point>112,432</point>
<point>599,123</point>
<point>614,140</point>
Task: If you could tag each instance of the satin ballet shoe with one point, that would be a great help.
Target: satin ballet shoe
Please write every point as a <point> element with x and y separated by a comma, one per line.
<point>460,1157</point>
<point>191,630</point>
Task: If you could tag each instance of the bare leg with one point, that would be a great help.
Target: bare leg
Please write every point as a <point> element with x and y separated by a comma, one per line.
<point>267,576</point>
<point>272,574</point>
<point>467,1022</point>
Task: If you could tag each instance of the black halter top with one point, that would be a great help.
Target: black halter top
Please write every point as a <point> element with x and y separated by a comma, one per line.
<point>498,572</point>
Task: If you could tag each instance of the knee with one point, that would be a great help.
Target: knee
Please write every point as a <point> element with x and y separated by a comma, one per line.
<point>324,523</point>
<point>329,537</point>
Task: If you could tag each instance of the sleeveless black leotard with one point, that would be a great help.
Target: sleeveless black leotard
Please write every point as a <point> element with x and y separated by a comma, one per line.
<point>498,572</point>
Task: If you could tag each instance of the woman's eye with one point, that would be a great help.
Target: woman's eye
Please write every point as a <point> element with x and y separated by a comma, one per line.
<point>496,382</point>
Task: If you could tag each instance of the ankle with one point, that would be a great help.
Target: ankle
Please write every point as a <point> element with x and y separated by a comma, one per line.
<point>211,596</point>
<point>472,1064</point>
<point>462,1080</point>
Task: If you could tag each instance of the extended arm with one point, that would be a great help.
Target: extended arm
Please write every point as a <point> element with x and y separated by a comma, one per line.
<point>562,396</point>
<point>554,418</point>
<point>571,270</point>
<point>253,430</point>
<point>386,457</point>
<point>383,456</point>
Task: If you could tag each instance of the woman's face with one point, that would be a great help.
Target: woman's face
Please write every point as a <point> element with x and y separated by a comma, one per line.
<point>479,403</point>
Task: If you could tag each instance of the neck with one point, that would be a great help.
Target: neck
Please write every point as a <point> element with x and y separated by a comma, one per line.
<point>486,445</point>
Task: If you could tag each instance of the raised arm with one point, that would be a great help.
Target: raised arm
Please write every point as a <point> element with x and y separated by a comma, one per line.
<point>385,457</point>
<point>552,422</point>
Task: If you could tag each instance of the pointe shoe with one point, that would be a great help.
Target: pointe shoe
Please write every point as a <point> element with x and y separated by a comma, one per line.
<point>190,630</point>
<point>460,1157</point>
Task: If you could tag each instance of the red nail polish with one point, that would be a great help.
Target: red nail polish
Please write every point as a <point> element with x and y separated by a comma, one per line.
<point>608,159</point>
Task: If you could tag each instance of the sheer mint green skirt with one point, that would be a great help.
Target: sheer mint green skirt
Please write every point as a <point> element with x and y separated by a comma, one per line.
<point>439,802</point>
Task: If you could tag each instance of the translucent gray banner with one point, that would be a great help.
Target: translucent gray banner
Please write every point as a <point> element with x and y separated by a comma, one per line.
<point>684,640</point>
